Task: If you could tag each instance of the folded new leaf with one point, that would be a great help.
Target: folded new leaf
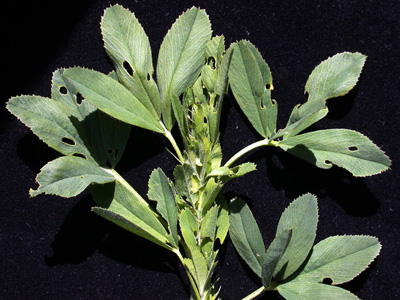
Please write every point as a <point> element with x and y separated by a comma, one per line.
<point>181,57</point>
<point>251,83</point>
<point>128,47</point>
<point>68,176</point>
<point>345,148</point>
<point>246,236</point>
<point>112,97</point>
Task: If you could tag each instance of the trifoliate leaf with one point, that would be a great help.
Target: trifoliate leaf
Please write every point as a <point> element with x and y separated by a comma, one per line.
<point>160,190</point>
<point>112,97</point>
<point>68,176</point>
<point>246,236</point>
<point>345,148</point>
<point>129,49</point>
<point>303,290</point>
<point>301,216</point>
<point>340,258</point>
<point>181,57</point>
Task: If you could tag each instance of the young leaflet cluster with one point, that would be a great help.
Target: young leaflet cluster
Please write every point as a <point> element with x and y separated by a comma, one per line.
<point>194,72</point>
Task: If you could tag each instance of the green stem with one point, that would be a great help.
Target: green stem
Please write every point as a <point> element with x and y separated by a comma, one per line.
<point>169,136</point>
<point>249,148</point>
<point>256,293</point>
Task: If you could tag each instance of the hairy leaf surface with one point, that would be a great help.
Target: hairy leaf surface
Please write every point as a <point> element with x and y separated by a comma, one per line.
<point>112,97</point>
<point>246,236</point>
<point>301,216</point>
<point>181,57</point>
<point>345,148</point>
<point>340,258</point>
<point>68,176</point>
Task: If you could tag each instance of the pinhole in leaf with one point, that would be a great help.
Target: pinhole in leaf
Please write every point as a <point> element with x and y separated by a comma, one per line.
<point>79,155</point>
<point>328,162</point>
<point>128,68</point>
<point>115,153</point>
<point>63,90</point>
<point>68,141</point>
<point>148,77</point>
<point>268,86</point>
<point>79,99</point>
<point>327,281</point>
<point>211,62</point>
<point>205,120</point>
<point>353,148</point>
<point>109,151</point>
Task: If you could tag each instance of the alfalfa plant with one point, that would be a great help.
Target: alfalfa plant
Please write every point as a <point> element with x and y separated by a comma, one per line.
<point>88,120</point>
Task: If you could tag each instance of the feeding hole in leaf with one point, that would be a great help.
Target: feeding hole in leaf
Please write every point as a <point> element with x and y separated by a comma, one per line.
<point>115,153</point>
<point>211,62</point>
<point>79,99</point>
<point>68,141</point>
<point>148,77</point>
<point>353,148</point>
<point>268,86</point>
<point>109,151</point>
<point>328,162</point>
<point>128,68</point>
<point>327,281</point>
<point>63,90</point>
<point>79,155</point>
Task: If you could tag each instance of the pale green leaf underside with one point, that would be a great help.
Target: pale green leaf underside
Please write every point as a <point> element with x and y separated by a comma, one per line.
<point>68,176</point>
<point>345,148</point>
<point>160,190</point>
<point>181,57</point>
<point>128,47</point>
<point>335,76</point>
<point>301,290</point>
<point>113,98</point>
<point>246,236</point>
<point>340,258</point>
<point>301,216</point>
<point>120,199</point>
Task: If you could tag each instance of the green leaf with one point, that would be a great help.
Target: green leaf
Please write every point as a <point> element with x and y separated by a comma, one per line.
<point>160,190</point>
<point>104,137</point>
<point>119,200</point>
<point>345,148</point>
<point>221,83</point>
<point>335,76</point>
<point>303,290</point>
<point>273,255</point>
<point>112,97</point>
<point>189,228</point>
<point>183,181</point>
<point>243,169</point>
<point>208,230</point>
<point>246,236</point>
<point>46,119</point>
<point>301,216</point>
<point>223,219</point>
<point>68,176</point>
<point>340,258</point>
<point>129,49</point>
<point>251,81</point>
<point>181,57</point>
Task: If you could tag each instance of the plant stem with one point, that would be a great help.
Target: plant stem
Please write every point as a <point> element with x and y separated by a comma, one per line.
<point>255,294</point>
<point>247,149</point>
<point>169,136</point>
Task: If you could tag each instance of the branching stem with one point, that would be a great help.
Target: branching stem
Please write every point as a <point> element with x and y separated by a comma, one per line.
<point>169,136</point>
<point>256,293</point>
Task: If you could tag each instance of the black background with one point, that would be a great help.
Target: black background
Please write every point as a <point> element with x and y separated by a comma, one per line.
<point>54,248</point>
